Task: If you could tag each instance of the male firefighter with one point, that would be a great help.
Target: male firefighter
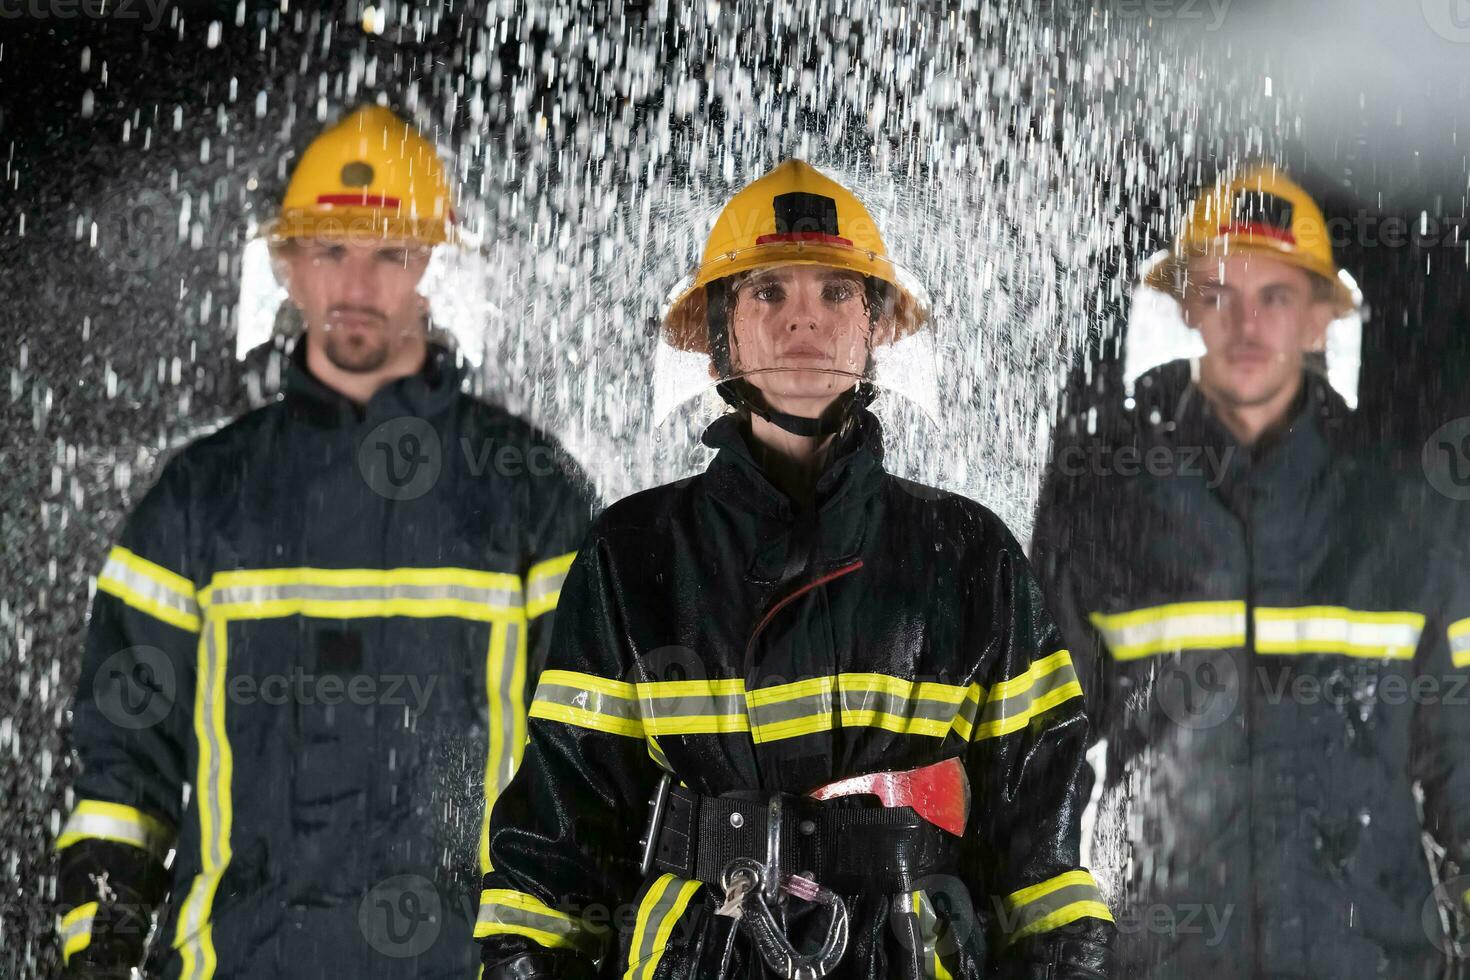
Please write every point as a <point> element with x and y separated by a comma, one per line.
<point>1271,623</point>
<point>319,627</point>
<point>831,699</point>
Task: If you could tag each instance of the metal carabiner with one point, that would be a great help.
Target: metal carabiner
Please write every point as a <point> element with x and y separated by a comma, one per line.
<point>777,951</point>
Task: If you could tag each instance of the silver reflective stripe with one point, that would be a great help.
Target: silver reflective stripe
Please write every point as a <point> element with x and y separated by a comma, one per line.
<point>76,930</point>
<point>1053,903</point>
<point>1459,636</point>
<point>504,679</point>
<point>512,913</point>
<point>112,823</point>
<point>322,592</point>
<point>553,691</point>
<point>816,705</point>
<point>1327,629</point>
<point>1028,917</point>
<point>119,577</point>
<point>929,937</point>
<point>657,705</point>
<point>1172,628</point>
<point>542,587</point>
<point>889,703</point>
<point>660,909</point>
<point>1023,703</point>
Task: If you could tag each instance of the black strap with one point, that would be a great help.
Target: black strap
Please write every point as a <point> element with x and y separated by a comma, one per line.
<point>849,850</point>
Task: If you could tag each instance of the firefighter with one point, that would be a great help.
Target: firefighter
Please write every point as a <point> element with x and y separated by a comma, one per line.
<point>319,627</point>
<point>776,687</point>
<point>1271,623</point>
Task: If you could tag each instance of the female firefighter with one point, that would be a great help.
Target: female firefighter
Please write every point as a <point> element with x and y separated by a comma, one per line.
<point>801,718</point>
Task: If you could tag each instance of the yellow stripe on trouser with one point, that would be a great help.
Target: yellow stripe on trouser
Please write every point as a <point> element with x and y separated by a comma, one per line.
<point>929,937</point>
<point>660,910</point>
<point>504,912</point>
<point>505,679</point>
<point>75,930</point>
<point>100,820</point>
<point>1052,904</point>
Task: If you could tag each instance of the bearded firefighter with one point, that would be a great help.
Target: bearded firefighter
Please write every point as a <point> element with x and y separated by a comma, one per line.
<point>801,718</point>
<point>316,623</point>
<point>1273,626</point>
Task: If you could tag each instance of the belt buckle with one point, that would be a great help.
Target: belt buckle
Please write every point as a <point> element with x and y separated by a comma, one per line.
<point>657,807</point>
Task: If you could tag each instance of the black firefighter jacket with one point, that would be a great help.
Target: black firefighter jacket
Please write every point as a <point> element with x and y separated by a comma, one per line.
<point>1275,645</point>
<point>710,629</point>
<point>308,661</point>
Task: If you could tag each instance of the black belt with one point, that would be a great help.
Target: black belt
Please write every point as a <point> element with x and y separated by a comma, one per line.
<point>850,850</point>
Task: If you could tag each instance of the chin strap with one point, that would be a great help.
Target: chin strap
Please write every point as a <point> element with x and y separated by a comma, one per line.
<point>743,395</point>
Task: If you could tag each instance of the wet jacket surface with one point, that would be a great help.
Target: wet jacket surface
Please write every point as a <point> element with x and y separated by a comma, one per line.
<point>308,660</point>
<point>710,628</point>
<point>1275,646</point>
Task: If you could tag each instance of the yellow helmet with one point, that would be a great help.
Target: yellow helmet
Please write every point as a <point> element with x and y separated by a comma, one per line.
<point>794,215</point>
<point>1259,211</point>
<point>370,175</point>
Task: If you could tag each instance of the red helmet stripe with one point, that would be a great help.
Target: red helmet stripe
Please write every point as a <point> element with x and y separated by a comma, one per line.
<point>360,200</point>
<point>1261,229</point>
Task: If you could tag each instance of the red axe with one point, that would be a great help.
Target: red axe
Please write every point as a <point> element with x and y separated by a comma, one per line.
<point>940,793</point>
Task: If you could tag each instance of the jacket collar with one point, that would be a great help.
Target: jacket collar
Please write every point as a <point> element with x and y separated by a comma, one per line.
<point>736,474</point>
<point>425,394</point>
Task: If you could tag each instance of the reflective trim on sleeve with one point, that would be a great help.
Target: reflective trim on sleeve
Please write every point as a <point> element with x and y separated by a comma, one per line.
<point>1459,636</point>
<point>1013,703</point>
<point>665,902</point>
<point>150,588</point>
<point>1052,904</point>
<point>1172,628</point>
<point>1338,630</point>
<point>588,701</point>
<point>99,820</point>
<point>543,584</point>
<point>354,593</point>
<point>75,930</point>
<point>510,913</point>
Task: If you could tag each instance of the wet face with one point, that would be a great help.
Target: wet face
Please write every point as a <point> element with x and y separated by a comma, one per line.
<point>358,299</point>
<point>1257,316</point>
<point>806,329</point>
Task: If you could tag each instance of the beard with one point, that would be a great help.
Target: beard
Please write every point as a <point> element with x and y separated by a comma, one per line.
<point>357,351</point>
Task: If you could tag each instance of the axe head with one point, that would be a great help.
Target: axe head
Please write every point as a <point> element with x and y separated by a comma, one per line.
<point>940,793</point>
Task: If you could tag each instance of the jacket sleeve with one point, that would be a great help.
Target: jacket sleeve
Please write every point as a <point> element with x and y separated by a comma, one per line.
<point>130,729</point>
<point>563,836</point>
<point>1028,770</point>
<point>1441,752</point>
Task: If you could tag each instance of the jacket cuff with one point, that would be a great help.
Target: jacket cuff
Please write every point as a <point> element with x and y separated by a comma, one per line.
<point>106,893</point>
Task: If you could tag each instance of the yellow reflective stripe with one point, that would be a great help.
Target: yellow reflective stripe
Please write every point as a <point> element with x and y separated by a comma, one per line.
<point>667,899</point>
<point>194,937</point>
<point>1390,635</point>
<point>1172,628</point>
<point>75,930</point>
<point>504,912</point>
<point>902,706</point>
<point>349,593</point>
<point>543,583</point>
<point>1054,903</point>
<point>790,710</point>
<point>588,701</point>
<point>928,928</point>
<point>1013,703</point>
<point>505,680</point>
<point>693,707</point>
<point>99,820</point>
<point>1459,637</point>
<point>150,588</point>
